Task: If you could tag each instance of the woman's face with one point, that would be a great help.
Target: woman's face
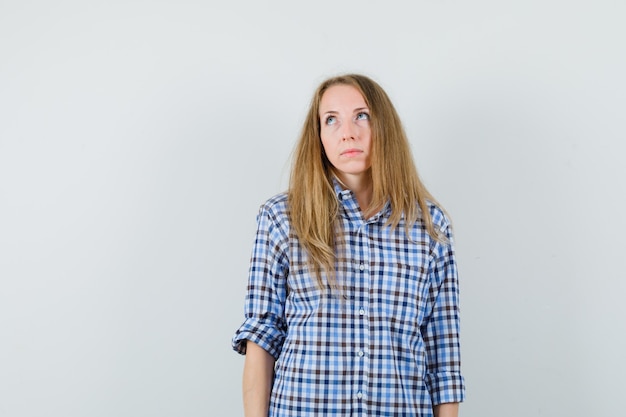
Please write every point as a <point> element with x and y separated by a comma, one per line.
<point>345,131</point>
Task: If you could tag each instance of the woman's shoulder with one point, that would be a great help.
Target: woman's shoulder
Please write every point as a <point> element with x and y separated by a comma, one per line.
<point>278,201</point>
<point>438,215</point>
<point>276,206</point>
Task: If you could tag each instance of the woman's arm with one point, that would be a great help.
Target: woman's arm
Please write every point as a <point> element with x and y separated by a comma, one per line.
<point>440,330</point>
<point>447,410</point>
<point>258,374</point>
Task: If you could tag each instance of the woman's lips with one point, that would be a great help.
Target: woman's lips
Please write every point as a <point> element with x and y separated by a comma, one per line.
<point>351,152</point>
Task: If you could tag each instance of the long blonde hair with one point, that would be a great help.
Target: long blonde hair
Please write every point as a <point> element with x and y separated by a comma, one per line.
<point>313,204</point>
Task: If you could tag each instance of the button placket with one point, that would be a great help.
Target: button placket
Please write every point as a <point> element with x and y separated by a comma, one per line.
<point>361,268</point>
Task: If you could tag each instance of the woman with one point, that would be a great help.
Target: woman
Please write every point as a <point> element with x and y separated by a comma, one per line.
<point>352,301</point>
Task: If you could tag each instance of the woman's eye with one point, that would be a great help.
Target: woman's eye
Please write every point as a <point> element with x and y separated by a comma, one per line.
<point>330,120</point>
<point>362,116</point>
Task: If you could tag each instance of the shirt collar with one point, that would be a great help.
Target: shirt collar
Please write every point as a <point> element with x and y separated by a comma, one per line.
<point>349,207</point>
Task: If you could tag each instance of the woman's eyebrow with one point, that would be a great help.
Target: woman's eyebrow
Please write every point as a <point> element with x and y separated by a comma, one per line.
<point>358,109</point>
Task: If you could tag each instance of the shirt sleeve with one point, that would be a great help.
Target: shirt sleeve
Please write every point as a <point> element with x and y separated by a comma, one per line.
<point>441,330</point>
<point>264,322</point>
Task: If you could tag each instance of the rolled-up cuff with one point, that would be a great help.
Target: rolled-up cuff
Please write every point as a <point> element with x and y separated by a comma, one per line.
<point>446,387</point>
<point>264,332</point>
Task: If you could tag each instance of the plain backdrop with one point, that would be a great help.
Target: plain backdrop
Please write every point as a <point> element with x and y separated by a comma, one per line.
<point>138,139</point>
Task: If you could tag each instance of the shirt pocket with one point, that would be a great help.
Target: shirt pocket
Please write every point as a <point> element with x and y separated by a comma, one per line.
<point>398,292</point>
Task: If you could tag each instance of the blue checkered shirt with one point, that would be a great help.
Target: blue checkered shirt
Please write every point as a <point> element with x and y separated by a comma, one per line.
<point>388,346</point>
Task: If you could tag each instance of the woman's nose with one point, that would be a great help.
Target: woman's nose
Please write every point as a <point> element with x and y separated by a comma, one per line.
<point>348,131</point>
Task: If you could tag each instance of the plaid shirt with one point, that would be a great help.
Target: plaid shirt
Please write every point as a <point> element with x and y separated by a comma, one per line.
<point>388,346</point>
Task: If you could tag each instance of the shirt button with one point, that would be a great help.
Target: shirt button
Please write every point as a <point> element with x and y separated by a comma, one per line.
<point>359,395</point>
<point>362,312</point>
<point>360,353</point>
<point>362,267</point>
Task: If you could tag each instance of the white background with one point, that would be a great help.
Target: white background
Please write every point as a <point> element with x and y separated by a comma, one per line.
<point>138,139</point>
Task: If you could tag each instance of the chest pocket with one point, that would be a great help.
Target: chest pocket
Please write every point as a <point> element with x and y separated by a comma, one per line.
<point>398,292</point>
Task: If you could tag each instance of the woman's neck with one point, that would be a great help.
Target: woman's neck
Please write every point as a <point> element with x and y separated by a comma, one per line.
<point>361,186</point>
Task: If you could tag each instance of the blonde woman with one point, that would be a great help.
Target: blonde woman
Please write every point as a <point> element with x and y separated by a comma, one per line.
<point>352,304</point>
